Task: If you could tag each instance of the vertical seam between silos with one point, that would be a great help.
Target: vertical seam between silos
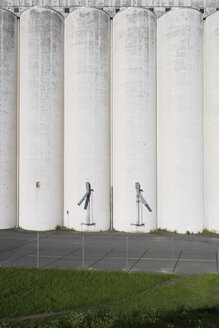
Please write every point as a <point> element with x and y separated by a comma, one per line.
<point>110,42</point>
<point>18,118</point>
<point>155,85</point>
<point>157,128</point>
<point>204,127</point>
<point>63,119</point>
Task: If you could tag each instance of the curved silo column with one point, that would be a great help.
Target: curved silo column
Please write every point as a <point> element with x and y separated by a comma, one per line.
<point>134,119</point>
<point>212,122</point>
<point>41,119</point>
<point>180,120</point>
<point>8,119</point>
<point>87,103</point>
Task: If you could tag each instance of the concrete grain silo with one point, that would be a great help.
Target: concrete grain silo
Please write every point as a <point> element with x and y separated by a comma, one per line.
<point>134,119</point>
<point>180,120</point>
<point>87,104</point>
<point>8,118</point>
<point>41,119</point>
<point>212,122</point>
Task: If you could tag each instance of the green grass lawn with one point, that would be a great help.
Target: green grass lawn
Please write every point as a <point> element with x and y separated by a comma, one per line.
<point>193,302</point>
<point>32,291</point>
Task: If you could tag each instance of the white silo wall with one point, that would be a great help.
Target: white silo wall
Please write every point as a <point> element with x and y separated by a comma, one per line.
<point>212,122</point>
<point>87,90</point>
<point>8,117</point>
<point>41,119</point>
<point>134,118</point>
<point>180,121</point>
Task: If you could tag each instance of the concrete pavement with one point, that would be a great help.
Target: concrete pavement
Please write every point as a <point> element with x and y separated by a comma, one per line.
<point>154,252</point>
